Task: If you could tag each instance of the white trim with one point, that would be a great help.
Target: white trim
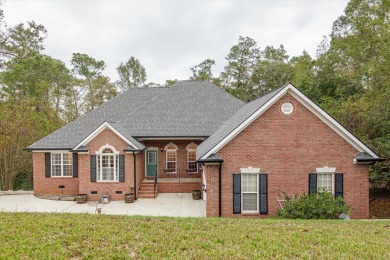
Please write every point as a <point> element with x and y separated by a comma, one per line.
<point>145,155</point>
<point>98,131</point>
<point>257,194</point>
<point>51,151</point>
<point>328,120</point>
<point>188,157</point>
<point>333,184</point>
<point>192,143</point>
<point>61,165</point>
<point>250,170</point>
<point>114,151</point>
<point>171,138</point>
<point>326,169</point>
<point>169,144</point>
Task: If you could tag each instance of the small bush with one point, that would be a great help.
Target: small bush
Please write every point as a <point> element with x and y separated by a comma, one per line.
<point>320,205</point>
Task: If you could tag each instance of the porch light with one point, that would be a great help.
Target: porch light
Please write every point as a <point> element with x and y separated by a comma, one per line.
<point>162,149</point>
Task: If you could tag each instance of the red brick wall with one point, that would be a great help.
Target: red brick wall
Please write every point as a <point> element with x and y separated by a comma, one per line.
<point>102,188</point>
<point>288,148</point>
<point>83,184</point>
<point>181,162</point>
<point>50,186</point>
<point>178,187</point>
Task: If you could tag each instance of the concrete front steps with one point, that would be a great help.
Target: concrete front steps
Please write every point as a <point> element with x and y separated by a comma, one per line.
<point>146,190</point>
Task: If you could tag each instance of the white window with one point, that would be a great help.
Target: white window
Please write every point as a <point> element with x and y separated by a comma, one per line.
<point>171,158</point>
<point>250,192</point>
<point>61,165</point>
<point>325,182</point>
<point>107,164</point>
<point>192,166</point>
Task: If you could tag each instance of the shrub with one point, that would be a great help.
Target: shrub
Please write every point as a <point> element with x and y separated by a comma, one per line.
<point>320,205</point>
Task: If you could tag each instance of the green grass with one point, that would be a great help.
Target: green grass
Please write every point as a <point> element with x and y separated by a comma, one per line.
<point>37,235</point>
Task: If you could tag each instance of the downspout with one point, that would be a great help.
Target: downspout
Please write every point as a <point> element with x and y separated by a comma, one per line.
<point>135,176</point>
<point>220,189</point>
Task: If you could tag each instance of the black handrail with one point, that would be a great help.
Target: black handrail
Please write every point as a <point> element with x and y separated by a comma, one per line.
<point>179,173</point>
<point>155,185</point>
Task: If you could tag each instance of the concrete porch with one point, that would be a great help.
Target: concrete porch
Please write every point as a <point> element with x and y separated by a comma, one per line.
<point>168,185</point>
<point>167,204</point>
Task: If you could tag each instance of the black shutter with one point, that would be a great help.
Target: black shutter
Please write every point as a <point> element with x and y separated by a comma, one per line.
<point>75,165</point>
<point>338,185</point>
<point>263,182</point>
<point>312,183</point>
<point>236,193</point>
<point>93,168</point>
<point>47,165</point>
<point>121,168</point>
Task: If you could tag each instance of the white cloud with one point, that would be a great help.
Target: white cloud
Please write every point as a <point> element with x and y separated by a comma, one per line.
<point>169,37</point>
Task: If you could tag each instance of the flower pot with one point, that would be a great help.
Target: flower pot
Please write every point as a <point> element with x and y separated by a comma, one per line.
<point>129,197</point>
<point>81,198</point>
<point>196,194</point>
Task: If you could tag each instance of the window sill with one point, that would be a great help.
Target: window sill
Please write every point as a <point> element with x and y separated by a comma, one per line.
<point>62,177</point>
<point>107,181</point>
<point>249,214</point>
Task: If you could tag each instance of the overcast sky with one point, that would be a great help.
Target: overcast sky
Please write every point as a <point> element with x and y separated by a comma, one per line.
<point>169,37</point>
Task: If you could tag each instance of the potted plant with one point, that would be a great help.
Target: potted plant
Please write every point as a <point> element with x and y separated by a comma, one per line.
<point>196,194</point>
<point>81,198</point>
<point>129,197</point>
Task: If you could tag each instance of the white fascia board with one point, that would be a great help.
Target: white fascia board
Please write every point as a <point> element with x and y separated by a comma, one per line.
<point>327,119</point>
<point>98,131</point>
<point>170,138</point>
<point>247,122</point>
<point>331,122</point>
<point>51,151</point>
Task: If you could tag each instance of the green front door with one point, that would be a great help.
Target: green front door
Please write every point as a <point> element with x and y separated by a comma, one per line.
<point>151,163</point>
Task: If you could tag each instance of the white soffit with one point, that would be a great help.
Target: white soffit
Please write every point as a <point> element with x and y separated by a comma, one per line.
<point>99,130</point>
<point>327,119</point>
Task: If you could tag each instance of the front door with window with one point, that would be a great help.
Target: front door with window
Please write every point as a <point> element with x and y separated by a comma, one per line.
<point>151,163</point>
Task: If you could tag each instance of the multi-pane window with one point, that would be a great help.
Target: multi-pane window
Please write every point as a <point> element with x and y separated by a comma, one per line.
<point>171,157</point>
<point>108,165</point>
<point>191,157</point>
<point>325,182</point>
<point>61,164</point>
<point>249,189</point>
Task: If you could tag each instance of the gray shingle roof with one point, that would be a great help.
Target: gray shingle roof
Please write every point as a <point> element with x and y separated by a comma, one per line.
<point>73,133</point>
<point>365,157</point>
<point>236,120</point>
<point>190,108</point>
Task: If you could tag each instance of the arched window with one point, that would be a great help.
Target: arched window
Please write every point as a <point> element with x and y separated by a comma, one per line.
<point>192,166</point>
<point>171,157</point>
<point>107,164</point>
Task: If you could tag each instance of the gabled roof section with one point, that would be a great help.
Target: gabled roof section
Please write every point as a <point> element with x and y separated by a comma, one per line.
<point>113,110</point>
<point>118,130</point>
<point>249,112</point>
<point>189,108</point>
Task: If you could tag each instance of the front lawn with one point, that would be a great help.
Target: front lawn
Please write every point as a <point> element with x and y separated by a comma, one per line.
<point>38,235</point>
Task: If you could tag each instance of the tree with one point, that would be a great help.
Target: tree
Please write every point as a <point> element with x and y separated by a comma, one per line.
<point>353,78</point>
<point>202,71</point>
<point>38,78</point>
<point>21,41</point>
<point>20,126</point>
<point>95,88</point>
<point>303,75</point>
<point>170,82</point>
<point>242,60</point>
<point>272,71</point>
<point>131,74</point>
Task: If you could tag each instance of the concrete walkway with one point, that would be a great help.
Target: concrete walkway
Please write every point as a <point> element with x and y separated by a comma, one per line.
<point>166,204</point>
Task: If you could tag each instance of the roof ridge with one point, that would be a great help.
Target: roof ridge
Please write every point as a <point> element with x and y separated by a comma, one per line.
<point>143,105</point>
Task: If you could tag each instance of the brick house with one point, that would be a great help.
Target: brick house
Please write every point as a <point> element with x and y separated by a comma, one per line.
<point>243,157</point>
